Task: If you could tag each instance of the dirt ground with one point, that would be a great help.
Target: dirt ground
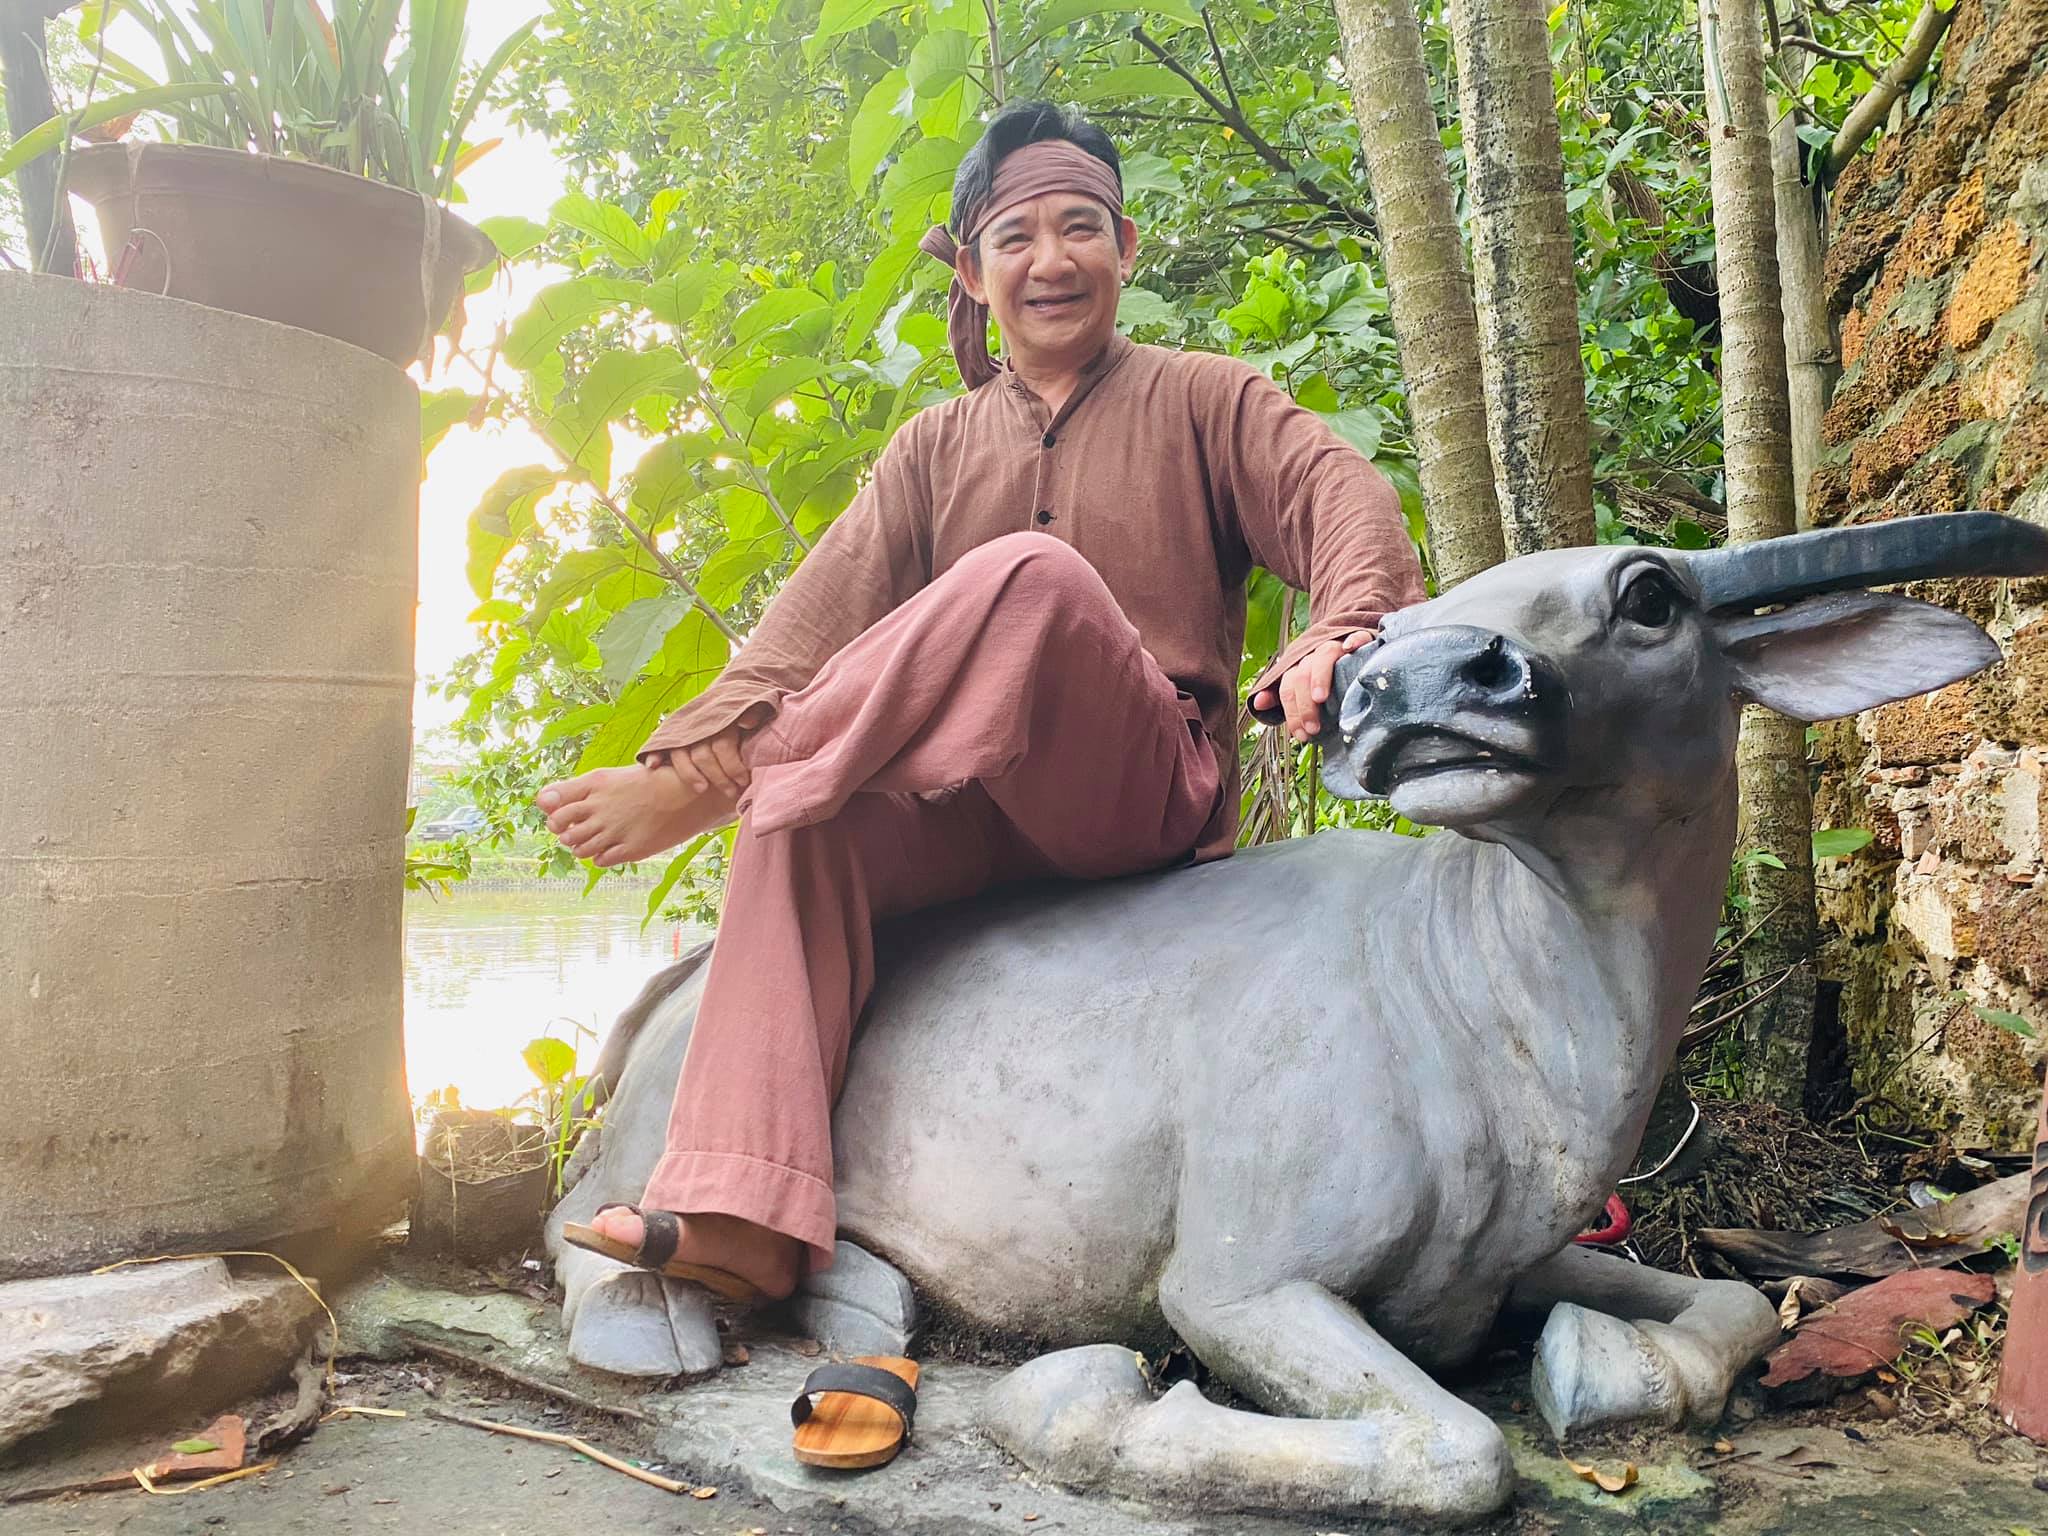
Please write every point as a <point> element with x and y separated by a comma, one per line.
<point>1802,1475</point>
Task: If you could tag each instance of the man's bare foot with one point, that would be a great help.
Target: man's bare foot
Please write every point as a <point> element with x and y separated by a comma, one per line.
<point>614,816</point>
<point>768,1259</point>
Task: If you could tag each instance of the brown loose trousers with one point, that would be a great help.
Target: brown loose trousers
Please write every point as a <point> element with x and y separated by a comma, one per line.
<point>959,701</point>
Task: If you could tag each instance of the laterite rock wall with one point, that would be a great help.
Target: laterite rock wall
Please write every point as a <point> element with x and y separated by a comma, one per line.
<point>1936,268</point>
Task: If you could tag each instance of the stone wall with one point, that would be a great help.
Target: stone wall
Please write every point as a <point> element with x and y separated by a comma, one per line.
<point>1936,268</point>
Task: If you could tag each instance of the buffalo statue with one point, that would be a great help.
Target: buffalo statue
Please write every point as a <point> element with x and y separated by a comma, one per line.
<point>1327,1109</point>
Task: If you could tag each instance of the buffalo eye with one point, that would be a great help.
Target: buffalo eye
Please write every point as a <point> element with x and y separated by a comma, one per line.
<point>1650,600</point>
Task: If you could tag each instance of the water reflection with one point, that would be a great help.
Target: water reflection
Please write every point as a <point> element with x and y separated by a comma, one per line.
<point>486,971</point>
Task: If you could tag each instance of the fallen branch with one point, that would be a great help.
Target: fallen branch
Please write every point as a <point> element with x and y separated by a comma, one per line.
<point>567,1442</point>
<point>521,1379</point>
<point>292,1424</point>
<point>1909,66</point>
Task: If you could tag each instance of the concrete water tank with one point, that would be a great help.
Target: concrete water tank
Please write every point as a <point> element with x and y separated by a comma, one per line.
<point>208,532</point>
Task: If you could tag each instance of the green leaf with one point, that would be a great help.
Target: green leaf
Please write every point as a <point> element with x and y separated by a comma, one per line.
<point>499,610</point>
<point>576,722</point>
<point>780,380</point>
<point>844,15</point>
<point>580,428</point>
<point>630,640</point>
<point>939,59</point>
<point>775,308</point>
<point>513,236</point>
<point>1145,82</point>
<point>573,578</point>
<point>2011,1023</point>
<point>876,127</point>
<point>1359,426</point>
<point>559,309</point>
<point>550,1060</point>
<point>677,295</point>
<point>501,519</point>
<point>1147,172</point>
<point>731,567</point>
<point>1141,306</point>
<point>51,132</point>
<point>671,875</point>
<point>1317,393</point>
<point>921,174</point>
<point>440,410</point>
<point>193,1447</point>
<point>1837,842</point>
<point>1687,534</point>
<point>691,657</point>
<point>1064,12</point>
<point>610,226</point>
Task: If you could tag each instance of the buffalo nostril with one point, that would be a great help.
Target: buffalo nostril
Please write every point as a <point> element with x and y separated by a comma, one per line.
<point>1493,670</point>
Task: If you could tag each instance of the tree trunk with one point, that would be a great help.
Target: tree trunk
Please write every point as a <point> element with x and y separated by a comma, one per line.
<point>1810,345</point>
<point>52,243</point>
<point>1770,764</point>
<point>1522,271</point>
<point>1427,282</point>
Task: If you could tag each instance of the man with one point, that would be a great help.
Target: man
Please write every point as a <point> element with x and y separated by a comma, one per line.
<point>1014,656</point>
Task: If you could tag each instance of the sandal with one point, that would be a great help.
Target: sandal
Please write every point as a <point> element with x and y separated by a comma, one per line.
<point>657,1252</point>
<point>862,1415</point>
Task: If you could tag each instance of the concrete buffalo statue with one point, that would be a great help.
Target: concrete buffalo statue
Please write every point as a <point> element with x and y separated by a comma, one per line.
<point>1328,1154</point>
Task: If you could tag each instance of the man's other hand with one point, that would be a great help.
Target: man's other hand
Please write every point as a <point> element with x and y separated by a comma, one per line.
<point>712,764</point>
<point>1305,686</point>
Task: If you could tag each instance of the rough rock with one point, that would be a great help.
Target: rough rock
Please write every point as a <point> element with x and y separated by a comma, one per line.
<point>168,1341</point>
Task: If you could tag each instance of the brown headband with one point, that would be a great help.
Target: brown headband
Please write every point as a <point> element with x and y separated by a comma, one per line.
<point>1050,165</point>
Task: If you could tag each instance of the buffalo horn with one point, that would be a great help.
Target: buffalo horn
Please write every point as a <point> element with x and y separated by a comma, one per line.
<point>1769,571</point>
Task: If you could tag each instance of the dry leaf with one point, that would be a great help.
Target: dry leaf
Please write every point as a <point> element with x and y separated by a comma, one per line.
<point>1605,1481</point>
<point>703,1493</point>
<point>1788,1309</point>
<point>1724,1447</point>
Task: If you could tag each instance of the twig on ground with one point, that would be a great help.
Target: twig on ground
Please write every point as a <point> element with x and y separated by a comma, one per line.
<point>567,1442</point>
<point>521,1379</point>
<point>292,1424</point>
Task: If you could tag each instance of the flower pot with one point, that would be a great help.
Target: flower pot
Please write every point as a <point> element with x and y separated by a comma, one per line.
<point>483,1186</point>
<point>320,249</point>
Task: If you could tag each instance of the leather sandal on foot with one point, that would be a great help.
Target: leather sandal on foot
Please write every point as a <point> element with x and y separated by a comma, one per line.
<point>862,1413</point>
<point>660,1233</point>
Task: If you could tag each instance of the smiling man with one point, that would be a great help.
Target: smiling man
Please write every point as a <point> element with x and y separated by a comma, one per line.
<point>1014,656</point>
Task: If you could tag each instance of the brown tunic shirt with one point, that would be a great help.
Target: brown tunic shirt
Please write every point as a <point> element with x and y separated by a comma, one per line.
<point>1172,472</point>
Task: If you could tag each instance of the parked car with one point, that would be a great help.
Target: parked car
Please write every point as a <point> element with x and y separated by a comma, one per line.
<point>456,824</point>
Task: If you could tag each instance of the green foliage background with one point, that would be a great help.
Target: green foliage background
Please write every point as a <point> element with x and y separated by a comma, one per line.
<point>746,292</point>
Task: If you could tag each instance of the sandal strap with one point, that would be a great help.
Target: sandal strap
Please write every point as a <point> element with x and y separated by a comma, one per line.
<point>884,1387</point>
<point>659,1237</point>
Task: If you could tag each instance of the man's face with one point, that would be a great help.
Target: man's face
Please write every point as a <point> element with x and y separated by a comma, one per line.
<point>1050,271</point>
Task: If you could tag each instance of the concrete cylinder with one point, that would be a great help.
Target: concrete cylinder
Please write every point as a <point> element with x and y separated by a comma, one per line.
<point>207,575</point>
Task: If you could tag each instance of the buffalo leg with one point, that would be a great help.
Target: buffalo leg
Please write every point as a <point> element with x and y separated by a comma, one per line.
<point>1625,1342</point>
<point>1368,1430</point>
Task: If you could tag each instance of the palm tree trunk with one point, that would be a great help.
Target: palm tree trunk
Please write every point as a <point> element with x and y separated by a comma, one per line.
<point>1770,763</point>
<point>1810,345</point>
<point>1534,378</point>
<point>1427,282</point>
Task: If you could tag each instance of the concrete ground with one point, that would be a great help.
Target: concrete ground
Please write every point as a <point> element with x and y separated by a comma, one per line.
<point>1817,1473</point>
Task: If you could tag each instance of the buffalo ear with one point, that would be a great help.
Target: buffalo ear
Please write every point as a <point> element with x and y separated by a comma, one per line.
<point>1827,657</point>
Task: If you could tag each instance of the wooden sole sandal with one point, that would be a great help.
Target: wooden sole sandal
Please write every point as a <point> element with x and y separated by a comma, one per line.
<point>861,1415</point>
<point>660,1234</point>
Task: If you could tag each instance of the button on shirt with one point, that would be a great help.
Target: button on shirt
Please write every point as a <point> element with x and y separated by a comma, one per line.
<point>1173,473</point>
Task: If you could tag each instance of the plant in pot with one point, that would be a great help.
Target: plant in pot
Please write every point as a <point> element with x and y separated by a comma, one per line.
<point>313,161</point>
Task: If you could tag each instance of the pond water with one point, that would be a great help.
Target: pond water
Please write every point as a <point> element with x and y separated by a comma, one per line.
<point>487,971</point>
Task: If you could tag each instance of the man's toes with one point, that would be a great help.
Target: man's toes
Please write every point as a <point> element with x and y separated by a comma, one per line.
<point>564,792</point>
<point>621,1226</point>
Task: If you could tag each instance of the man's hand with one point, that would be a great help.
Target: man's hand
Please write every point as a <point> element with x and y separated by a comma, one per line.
<point>1304,686</point>
<point>712,764</point>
